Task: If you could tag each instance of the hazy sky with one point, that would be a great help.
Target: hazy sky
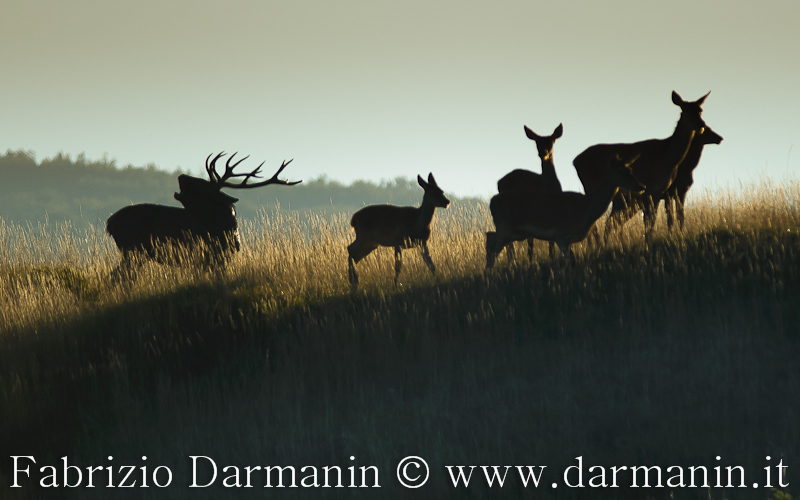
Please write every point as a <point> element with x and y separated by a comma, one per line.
<point>377,89</point>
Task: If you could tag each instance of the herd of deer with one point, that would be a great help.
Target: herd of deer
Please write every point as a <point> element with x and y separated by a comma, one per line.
<point>633,177</point>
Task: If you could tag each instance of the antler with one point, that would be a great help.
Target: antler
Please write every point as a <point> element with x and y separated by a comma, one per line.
<point>229,173</point>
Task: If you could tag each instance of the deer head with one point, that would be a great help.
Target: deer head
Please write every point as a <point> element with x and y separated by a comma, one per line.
<point>433,194</point>
<point>544,144</point>
<point>691,111</point>
<point>622,175</point>
<point>196,192</point>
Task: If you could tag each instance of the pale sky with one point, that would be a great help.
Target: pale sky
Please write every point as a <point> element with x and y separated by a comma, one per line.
<point>373,89</point>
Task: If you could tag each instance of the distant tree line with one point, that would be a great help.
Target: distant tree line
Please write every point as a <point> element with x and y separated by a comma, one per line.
<point>84,192</point>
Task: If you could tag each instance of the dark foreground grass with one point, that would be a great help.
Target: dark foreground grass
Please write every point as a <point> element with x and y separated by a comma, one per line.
<point>663,356</point>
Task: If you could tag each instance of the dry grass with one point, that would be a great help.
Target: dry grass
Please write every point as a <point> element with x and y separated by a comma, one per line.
<point>666,355</point>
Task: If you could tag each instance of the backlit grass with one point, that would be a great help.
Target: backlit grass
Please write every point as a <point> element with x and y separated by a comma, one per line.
<point>667,355</point>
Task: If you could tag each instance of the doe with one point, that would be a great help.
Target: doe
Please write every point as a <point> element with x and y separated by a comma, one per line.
<point>563,218</point>
<point>525,180</point>
<point>676,194</point>
<point>656,167</point>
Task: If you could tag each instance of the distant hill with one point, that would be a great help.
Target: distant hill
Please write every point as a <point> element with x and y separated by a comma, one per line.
<point>86,192</point>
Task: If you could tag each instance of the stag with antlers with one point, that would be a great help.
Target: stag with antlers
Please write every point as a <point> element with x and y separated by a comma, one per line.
<point>207,219</point>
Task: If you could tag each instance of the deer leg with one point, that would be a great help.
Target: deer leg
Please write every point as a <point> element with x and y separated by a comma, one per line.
<point>355,253</point>
<point>668,207</point>
<point>679,201</point>
<point>530,249</point>
<point>613,224</point>
<point>491,243</point>
<point>615,218</point>
<point>352,275</point>
<point>594,236</point>
<point>510,253</point>
<point>116,274</point>
<point>567,257</point>
<point>426,256</point>
<point>552,246</point>
<point>126,269</point>
<point>649,219</point>
<point>398,263</point>
<point>619,216</point>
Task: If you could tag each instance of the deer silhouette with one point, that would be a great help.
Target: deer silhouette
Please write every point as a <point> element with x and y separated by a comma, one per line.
<point>563,218</point>
<point>675,197</point>
<point>525,180</point>
<point>656,167</point>
<point>398,227</point>
<point>207,219</point>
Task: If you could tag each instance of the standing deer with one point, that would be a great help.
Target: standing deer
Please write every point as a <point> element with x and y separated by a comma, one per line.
<point>207,217</point>
<point>525,180</point>
<point>398,227</point>
<point>563,218</point>
<point>656,167</point>
<point>684,179</point>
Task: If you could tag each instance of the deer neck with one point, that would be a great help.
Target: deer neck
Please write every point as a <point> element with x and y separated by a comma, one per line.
<point>550,181</point>
<point>692,157</point>
<point>424,214</point>
<point>597,203</point>
<point>679,144</point>
<point>681,139</point>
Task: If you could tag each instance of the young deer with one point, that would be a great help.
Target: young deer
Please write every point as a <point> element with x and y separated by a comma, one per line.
<point>398,227</point>
<point>684,179</point>
<point>563,218</point>
<point>525,180</point>
<point>656,167</point>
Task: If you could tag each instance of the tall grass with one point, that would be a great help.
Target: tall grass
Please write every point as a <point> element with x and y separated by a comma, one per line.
<point>670,354</point>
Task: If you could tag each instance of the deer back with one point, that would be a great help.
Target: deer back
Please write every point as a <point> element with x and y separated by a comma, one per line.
<point>519,179</point>
<point>141,227</point>
<point>658,159</point>
<point>593,164</point>
<point>390,225</point>
<point>547,211</point>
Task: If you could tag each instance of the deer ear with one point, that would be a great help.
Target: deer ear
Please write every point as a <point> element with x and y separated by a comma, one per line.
<point>677,99</point>
<point>431,180</point>
<point>700,101</point>
<point>558,131</point>
<point>530,133</point>
<point>227,198</point>
<point>422,182</point>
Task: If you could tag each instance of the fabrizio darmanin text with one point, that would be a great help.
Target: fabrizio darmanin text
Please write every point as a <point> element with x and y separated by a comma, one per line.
<point>411,472</point>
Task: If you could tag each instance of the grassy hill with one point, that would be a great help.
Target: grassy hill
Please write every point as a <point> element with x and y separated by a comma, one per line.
<point>668,355</point>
